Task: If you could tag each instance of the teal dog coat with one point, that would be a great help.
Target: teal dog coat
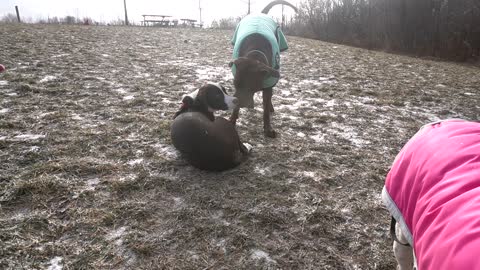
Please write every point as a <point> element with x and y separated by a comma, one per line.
<point>264,25</point>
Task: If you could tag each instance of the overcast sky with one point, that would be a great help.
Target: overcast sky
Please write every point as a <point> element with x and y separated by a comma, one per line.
<point>107,10</point>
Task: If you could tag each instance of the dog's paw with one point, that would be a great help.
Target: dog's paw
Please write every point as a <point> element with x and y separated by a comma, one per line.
<point>270,133</point>
<point>248,146</point>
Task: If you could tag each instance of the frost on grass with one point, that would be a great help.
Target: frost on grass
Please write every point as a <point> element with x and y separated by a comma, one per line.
<point>89,173</point>
<point>48,78</point>
<point>55,264</point>
<point>260,255</point>
<point>28,137</point>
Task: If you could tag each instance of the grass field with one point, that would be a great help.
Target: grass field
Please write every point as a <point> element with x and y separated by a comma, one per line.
<point>89,178</point>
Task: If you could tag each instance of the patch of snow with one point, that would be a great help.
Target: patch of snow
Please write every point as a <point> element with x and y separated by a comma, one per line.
<point>55,264</point>
<point>295,106</point>
<point>3,83</point>
<point>228,77</point>
<point>258,254</point>
<point>222,245</point>
<point>142,75</point>
<point>4,110</point>
<point>13,94</point>
<point>60,55</point>
<point>27,137</point>
<point>309,174</point>
<point>121,91</point>
<point>320,81</point>
<point>117,236</point>
<point>77,117</point>
<point>128,97</point>
<point>218,216</point>
<point>330,103</point>
<point>189,87</point>
<point>282,81</point>
<point>166,100</point>
<point>319,138</point>
<point>262,171</point>
<point>440,85</point>
<point>291,117</point>
<point>34,149</point>
<point>118,233</point>
<point>286,93</point>
<point>167,151</point>
<point>469,94</point>
<point>349,133</point>
<point>301,134</point>
<point>178,202</point>
<point>210,73</point>
<point>48,78</point>
<point>92,183</point>
<point>135,161</point>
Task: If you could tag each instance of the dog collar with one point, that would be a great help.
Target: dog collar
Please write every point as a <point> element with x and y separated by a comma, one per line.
<point>260,52</point>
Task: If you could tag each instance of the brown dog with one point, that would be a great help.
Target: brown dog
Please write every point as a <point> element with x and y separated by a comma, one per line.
<point>257,43</point>
<point>208,142</point>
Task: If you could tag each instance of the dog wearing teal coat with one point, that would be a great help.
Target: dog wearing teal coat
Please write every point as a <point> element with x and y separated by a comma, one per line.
<point>258,42</point>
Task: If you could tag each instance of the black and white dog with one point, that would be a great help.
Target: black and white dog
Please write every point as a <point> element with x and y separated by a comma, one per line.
<point>208,142</point>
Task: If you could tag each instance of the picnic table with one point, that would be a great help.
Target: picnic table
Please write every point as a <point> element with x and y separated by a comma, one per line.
<point>188,22</point>
<point>161,20</point>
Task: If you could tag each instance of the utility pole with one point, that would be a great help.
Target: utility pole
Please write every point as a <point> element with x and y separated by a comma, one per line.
<point>126,17</point>
<point>248,7</point>
<point>18,13</point>
<point>200,8</point>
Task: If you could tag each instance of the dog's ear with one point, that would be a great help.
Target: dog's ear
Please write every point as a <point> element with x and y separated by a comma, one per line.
<point>187,102</point>
<point>268,71</point>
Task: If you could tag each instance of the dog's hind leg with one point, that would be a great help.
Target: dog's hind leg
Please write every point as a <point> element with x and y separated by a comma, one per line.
<point>403,253</point>
<point>234,116</point>
<point>267,107</point>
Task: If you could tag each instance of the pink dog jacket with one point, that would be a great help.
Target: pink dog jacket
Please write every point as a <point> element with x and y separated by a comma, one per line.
<point>433,191</point>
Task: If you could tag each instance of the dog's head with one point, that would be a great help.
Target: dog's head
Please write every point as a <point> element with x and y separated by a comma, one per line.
<point>207,99</point>
<point>248,78</point>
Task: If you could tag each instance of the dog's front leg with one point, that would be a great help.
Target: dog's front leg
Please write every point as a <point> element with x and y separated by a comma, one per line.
<point>267,109</point>
<point>234,116</point>
<point>403,254</point>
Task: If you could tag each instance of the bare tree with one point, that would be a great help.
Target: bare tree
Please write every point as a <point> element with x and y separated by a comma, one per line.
<point>9,18</point>
<point>442,28</point>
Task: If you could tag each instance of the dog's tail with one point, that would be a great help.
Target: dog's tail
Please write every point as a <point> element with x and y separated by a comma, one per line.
<point>277,2</point>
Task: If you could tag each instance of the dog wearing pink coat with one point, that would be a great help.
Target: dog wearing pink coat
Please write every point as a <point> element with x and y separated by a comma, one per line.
<point>432,192</point>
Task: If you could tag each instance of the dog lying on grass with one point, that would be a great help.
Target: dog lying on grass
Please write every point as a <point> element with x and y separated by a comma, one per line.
<point>208,142</point>
<point>433,194</point>
<point>257,41</point>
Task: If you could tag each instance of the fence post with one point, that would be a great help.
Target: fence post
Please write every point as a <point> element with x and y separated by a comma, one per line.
<point>18,13</point>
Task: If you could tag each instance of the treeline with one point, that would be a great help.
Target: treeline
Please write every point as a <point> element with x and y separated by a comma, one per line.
<point>441,28</point>
<point>11,18</point>
<point>226,23</point>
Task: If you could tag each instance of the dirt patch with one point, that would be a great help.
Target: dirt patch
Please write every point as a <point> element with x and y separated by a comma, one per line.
<point>89,178</point>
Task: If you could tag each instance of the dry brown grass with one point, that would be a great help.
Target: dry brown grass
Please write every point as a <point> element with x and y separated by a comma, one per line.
<point>89,175</point>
